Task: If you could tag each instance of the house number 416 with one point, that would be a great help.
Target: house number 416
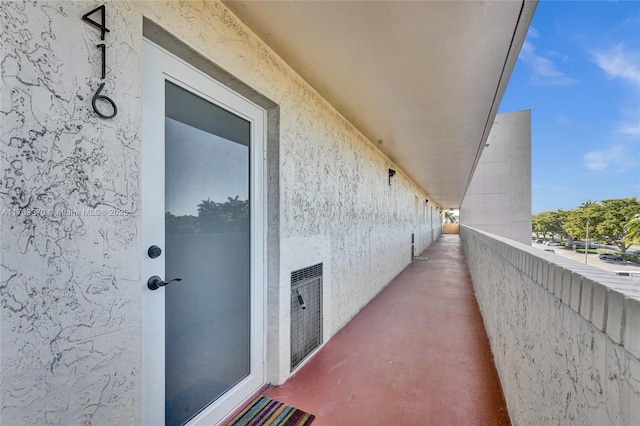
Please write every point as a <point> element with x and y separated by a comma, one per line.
<point>98,96</point>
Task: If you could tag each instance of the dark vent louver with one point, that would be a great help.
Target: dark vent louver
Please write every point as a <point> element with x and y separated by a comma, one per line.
<point>306,273</point>
<point>306,312</point>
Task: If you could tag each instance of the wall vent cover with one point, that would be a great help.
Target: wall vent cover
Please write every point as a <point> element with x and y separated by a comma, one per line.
<point>306,312</point>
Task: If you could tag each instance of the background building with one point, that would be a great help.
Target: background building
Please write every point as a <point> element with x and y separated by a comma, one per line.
<point>499,196</point>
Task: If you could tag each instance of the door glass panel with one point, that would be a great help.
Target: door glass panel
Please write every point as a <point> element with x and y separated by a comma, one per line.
<point>207,244</point>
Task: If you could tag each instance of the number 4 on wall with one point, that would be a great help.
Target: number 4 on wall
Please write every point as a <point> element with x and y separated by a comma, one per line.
<point>102,26</point>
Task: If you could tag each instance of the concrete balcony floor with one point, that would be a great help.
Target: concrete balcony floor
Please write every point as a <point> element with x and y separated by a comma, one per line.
<point>417,354</point>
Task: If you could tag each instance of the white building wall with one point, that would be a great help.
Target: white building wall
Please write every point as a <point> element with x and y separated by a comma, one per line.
<point>71,285</point>
<point>499,196</point>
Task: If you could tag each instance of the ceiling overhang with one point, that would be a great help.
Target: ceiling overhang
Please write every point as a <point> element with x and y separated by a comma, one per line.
<point>421,79</point>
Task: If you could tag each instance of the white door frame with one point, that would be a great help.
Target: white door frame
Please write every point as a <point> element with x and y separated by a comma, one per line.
<point>158,66</point>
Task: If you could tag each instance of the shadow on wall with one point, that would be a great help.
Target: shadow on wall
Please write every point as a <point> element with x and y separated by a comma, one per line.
<point>451,228</point>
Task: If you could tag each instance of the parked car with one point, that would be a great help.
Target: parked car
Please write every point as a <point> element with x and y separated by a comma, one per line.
<point>552,243</point>
<point>550,250</point>
<point>539,241</point>
<point>631,274</point>
<point>610,256</point>
<point>581,244</point>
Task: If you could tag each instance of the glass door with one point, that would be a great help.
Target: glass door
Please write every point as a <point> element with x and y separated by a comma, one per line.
<point>207,245</point>
<point>204,217</point>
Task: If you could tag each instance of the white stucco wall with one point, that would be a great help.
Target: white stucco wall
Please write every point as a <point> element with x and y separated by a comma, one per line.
<point>70,349</point>
<point>565,336</point>
<point>499,196</point>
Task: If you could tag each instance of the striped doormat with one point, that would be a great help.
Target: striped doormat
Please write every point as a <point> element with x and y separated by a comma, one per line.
<point>267,412</point>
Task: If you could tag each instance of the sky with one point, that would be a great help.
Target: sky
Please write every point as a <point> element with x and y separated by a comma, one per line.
<point>579,73</point>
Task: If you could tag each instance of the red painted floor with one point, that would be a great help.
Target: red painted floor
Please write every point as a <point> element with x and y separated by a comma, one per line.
<point>417,354</point>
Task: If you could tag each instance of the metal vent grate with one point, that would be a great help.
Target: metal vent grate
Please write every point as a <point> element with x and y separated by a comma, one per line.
<point>303,274</point>
<point>306,312</point>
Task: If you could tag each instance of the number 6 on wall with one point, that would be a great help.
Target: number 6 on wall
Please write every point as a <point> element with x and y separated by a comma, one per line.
<point>97,97</point>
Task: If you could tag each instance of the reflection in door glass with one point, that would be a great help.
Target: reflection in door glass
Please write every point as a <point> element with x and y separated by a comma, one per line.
<point>207,240</point>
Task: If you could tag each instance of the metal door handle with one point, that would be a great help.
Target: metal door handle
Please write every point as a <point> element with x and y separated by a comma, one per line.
<point>155,282</point>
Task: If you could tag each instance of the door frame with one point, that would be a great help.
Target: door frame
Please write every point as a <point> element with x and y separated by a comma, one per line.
<point>159,65</point>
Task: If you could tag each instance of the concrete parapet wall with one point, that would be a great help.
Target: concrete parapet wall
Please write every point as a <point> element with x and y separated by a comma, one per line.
<point>565,336</point>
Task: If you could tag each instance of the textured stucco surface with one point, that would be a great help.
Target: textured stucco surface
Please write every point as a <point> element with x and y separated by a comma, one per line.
<point>499,196</point>
<point>564,335</point>
<point>70,349</point>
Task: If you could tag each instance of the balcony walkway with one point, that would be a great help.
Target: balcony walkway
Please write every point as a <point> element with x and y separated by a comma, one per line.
<point>417,354</point>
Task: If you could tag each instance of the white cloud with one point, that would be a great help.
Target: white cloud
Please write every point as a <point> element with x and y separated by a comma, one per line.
<point>528,50</point>
<point>533,32</point>
<point>623,64</point>
<point>628,127</point>
<point>618,62</point>
<point>631,129</point>
<point>545,71</point>
<point>563,120</point>
<point>561,56</point>
<point>614,159</point>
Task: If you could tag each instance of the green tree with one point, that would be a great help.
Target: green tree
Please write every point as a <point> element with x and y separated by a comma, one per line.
<point>230,216</point>
<point>450,217</point>
<point>633,232</point>
<point>617,214</point>
<point>544,223</point>
<point>557,220</point>
<point>180,225</point>
<point>576,220</point>
<point>615,221</point>
<point>536,224</point>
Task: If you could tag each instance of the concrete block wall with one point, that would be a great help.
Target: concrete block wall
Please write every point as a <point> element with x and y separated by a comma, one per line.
<point>565,336</point>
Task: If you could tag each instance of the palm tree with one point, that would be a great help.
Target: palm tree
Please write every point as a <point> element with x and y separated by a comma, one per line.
<point>633,237</point>
<point>450,217</point>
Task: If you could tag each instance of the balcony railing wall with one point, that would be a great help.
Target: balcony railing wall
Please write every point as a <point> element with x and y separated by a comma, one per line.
<point>565,336</point>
